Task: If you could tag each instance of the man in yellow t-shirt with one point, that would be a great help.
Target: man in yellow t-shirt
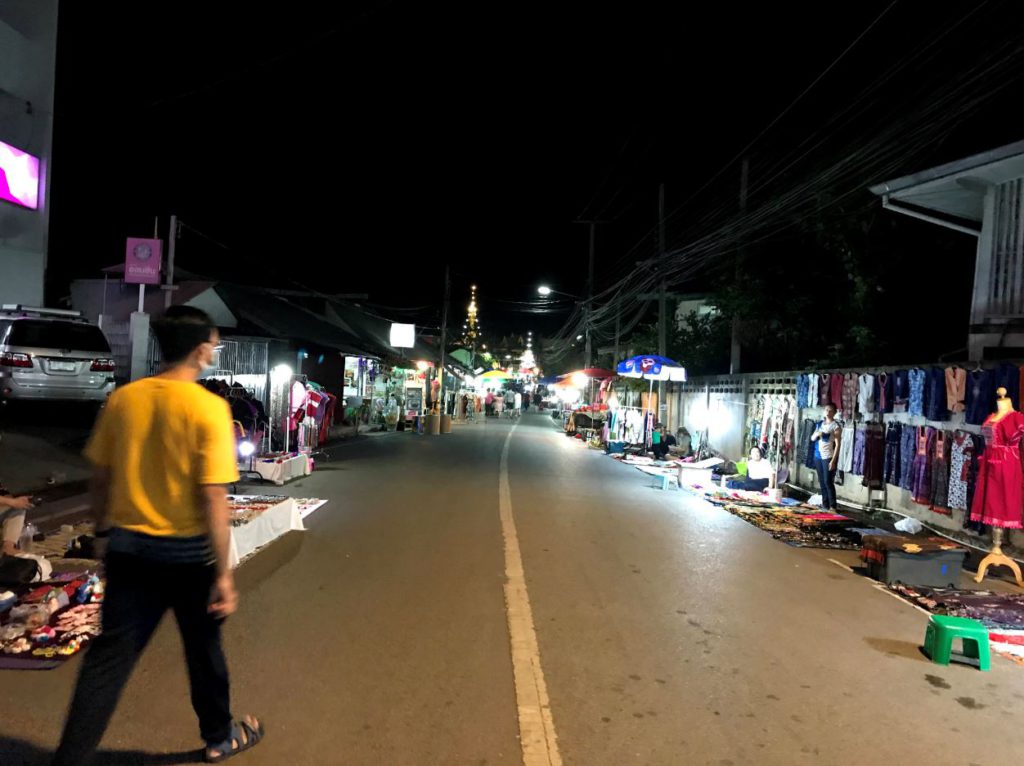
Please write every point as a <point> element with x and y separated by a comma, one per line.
<point>163,451</point>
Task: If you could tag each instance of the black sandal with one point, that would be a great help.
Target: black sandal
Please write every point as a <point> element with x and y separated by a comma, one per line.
<point>243,737</point>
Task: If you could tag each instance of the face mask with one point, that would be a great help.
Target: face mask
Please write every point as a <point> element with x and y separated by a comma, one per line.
<point>214,362</point>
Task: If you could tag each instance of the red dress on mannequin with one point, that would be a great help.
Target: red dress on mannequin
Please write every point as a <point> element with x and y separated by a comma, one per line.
<point>998,495</point>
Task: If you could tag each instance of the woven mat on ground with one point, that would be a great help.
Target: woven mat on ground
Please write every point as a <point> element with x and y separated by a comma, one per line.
<point>807,529</point>
<point>51,622</point>
<point>1001,613</point>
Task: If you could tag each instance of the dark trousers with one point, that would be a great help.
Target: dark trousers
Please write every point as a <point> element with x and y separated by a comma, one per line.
<point>827,480</point>
<point>138,592</point>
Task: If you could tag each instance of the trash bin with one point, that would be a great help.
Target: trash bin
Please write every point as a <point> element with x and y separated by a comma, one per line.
<point>446,424</point>
<point>433,424</point>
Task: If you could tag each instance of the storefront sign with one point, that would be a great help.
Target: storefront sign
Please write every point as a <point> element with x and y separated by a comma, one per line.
<point>143,259</point>
<point>403,335</point>
<point>19,177</point>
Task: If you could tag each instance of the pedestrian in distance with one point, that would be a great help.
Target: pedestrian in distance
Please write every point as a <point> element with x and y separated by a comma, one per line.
<point>163,451</point>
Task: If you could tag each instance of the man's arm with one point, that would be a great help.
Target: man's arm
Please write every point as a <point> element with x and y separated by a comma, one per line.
<point>22,503</point>
<point>837,438</point>
<point>214,499</point>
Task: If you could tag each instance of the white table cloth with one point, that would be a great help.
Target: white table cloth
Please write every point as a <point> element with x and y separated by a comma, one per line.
<point>265,528</point>
<point>286,470</point>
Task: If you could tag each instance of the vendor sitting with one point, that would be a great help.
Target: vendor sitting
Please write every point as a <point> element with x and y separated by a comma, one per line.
<point>661,440</point>
<point>759,477</point>
<point>12,521</point>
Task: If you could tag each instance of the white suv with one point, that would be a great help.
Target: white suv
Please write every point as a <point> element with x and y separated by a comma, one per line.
<point>53,355</point>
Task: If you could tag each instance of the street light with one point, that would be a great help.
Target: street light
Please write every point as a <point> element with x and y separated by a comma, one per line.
<point>546,291</point>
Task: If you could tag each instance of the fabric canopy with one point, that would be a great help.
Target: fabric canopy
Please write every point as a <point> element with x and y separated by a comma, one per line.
<point>594,372</point>
<point>496,375</point>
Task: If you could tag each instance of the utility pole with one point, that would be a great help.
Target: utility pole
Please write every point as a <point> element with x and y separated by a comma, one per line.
<point>590,297</point>
<point>172,236</point>
<point>444,336</point>
<point>618,317</point>
<point>662,318</point>
<point>662,344</point>
<point>588,301</point>
<point>734,356</point>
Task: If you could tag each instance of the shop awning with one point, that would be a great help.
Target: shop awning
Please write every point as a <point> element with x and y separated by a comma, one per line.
<point>280,318</point>
<point>954,194</point>
<point>595,373</point>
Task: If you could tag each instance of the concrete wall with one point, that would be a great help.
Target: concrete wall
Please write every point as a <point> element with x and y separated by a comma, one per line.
<point>722,406</point>
<point>28,49</point>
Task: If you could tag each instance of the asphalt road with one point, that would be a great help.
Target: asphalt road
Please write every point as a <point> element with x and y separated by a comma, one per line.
<point>669,632</point>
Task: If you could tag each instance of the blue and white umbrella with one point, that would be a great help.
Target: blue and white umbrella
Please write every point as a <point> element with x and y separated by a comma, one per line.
<point>651,368</point>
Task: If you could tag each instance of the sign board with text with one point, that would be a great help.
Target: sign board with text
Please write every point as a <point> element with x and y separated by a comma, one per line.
<point>143,259</point>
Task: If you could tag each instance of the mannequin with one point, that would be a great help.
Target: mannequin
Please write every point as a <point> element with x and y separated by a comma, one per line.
<point>997,500</point>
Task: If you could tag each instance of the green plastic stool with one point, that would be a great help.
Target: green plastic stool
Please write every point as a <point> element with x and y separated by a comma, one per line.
<point>938,640</point>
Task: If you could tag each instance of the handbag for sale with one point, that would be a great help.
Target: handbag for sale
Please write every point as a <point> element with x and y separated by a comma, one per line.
<point>15,570</point>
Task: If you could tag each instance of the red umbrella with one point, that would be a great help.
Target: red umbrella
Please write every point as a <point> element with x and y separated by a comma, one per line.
<point>596,373</point>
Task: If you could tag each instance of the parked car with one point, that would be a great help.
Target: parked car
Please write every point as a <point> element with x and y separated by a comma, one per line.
<point>53,355</point>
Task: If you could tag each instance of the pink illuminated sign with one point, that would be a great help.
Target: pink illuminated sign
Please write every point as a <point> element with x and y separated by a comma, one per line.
<point>142,261</point>
<point>19,177</point>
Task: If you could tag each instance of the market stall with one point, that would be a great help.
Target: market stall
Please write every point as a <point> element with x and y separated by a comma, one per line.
<point>280,468</point>
<point>257,520</point>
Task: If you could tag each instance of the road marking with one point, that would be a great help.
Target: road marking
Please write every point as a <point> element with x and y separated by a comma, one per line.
<point>880,587</point>
<point>898,597</point>
<point>841,565</point>
<point>536,726</point>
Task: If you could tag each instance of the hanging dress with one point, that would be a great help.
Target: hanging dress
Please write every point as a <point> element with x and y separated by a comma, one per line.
<point>961,450</point>
<point>908,451</point>
<point>940,473</point>
<point>812,390</point>
<point>998,494</point>
<point>917,381</point>
<point>851,387</point>
<point>845,460</point>
<point>836,390</point>
<point>884,387</point>
<point>921,472</point>
<point>891,472</point>
<point>858,451</point>
<point>874,456</point>
<point>956,389</point>
<point>866,393</point>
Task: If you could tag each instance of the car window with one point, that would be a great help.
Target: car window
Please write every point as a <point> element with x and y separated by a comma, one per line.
<point>67,336</point>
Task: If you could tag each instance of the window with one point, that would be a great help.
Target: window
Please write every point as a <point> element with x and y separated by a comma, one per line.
<point>65,336</point>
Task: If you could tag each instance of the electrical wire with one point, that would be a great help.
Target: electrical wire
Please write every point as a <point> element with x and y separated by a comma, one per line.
<point>887,151</point>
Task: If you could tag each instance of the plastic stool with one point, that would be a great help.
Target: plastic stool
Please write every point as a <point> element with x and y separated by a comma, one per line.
<point>938,640</point>
<point>666,482</point>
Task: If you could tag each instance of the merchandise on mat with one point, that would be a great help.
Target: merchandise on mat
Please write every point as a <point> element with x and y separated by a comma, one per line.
<point>51,622</point>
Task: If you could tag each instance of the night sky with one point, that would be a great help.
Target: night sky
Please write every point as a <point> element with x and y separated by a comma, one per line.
<point>360,149</point>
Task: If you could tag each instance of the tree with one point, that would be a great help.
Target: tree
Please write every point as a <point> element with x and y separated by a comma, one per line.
<point>700,342</point>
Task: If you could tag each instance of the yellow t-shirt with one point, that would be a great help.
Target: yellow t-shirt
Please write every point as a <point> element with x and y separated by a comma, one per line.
<point>162,440</point>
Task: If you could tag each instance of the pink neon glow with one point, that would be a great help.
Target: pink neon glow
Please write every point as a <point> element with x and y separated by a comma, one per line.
<point>19,177</point>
